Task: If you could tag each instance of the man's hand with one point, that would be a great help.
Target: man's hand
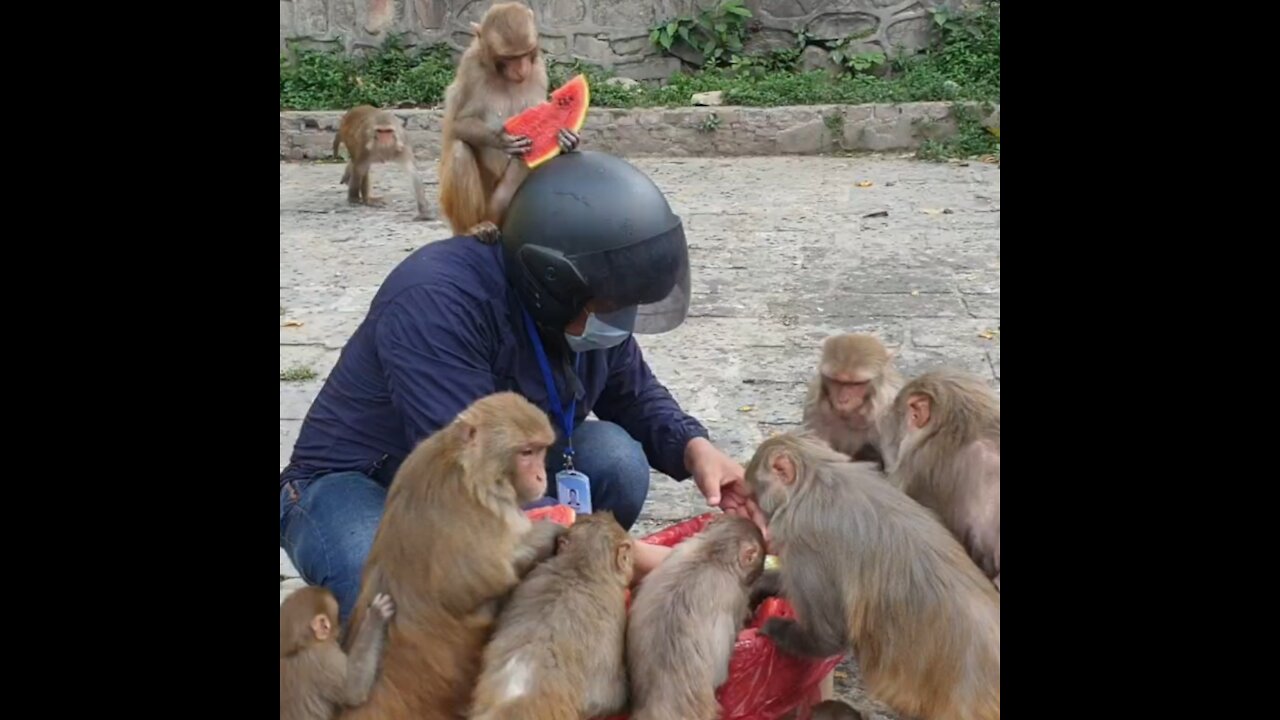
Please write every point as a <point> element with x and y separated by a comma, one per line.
<point>721,480</point>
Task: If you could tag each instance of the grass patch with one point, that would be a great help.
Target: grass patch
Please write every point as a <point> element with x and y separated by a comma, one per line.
<point>962,64</point>
<point>971,138</point>
<point>297,373</point>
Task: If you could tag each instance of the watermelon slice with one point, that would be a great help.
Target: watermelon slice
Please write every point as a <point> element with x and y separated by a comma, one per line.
<point>562,514</point>
<point>567,109</point>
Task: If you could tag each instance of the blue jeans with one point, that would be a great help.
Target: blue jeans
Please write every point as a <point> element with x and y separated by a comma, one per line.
<point>327,523</point>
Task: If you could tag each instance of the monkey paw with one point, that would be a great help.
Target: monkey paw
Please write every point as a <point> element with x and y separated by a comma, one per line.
<point>383,605</point>
<point>568,140</point>
<point>486,232</point>
<point>423,216</point>
<point>374,201</point>
<point>516,145</point>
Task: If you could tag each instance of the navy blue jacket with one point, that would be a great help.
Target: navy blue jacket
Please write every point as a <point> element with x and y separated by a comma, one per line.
<point>444,330</point>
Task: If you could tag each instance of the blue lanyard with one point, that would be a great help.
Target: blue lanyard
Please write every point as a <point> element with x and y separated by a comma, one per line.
<point>557,410</point>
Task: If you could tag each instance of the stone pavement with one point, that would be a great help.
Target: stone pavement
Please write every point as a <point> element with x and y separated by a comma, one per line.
<point>785,251</point>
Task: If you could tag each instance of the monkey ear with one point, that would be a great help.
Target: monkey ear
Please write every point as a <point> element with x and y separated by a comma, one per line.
<point>784,468</point>
<point>918,409</point>
<point>748,553</point>
<point>624,559</point>
<point>562,542</point>
<point>320,627</point>
<point>475,28</point>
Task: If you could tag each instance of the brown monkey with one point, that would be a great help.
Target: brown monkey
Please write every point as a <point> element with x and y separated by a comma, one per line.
<point>685,618</point>
<point>834,710</point>
<point>856,383</point>
<point>375,136</point>
<point>870,570</point>
<point>316,677</point>
<point>558,648</point>
<point>451,545</point>
<point>945,428</point>
<point>500,74</point>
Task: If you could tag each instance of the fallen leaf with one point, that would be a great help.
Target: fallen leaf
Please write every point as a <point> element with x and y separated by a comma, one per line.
<point>990,159</point>
<point>878,213</point>
<point>988,334</point>
<point>915,293</point>
<point>864,183</point>
<point>746,408</point>
<point>936,211</point>
<point>994,131</point>
<point>292,323</point>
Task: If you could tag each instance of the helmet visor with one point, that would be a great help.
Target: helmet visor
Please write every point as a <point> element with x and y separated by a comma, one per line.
<point>642,287</point>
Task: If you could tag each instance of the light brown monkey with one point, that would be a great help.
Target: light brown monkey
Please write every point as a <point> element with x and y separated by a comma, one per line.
<point>499,75</point>
<point>945,453</point>
<point>834,710</point>
<point>856,383</point>
<point>558,648</point>
<point>316,676</point>
<point>375,136</point>
<point>451,545</point>
<point>685,617</point>
<point>870,570</point>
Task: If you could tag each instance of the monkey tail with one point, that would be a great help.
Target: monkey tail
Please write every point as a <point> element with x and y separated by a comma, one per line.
<point>346,173</point>
<point>462,195</point>
<point>337,143</point>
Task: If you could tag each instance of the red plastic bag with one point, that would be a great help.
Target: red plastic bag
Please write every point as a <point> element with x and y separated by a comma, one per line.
<point>763,684</point>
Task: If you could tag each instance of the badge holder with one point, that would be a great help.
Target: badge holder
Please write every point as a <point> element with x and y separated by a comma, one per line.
<point>573,488</point>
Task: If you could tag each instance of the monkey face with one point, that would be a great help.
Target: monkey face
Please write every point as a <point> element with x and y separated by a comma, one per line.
<point>846,393</point>
<point>515,69</point>
<point>385,138</point>
<point>530,473</point>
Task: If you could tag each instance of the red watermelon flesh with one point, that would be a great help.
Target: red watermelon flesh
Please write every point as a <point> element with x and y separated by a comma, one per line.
<point>562,514</point>
<point>541,123</point>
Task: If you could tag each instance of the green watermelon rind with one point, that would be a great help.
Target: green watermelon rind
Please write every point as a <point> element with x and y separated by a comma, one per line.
<point>532,121</point>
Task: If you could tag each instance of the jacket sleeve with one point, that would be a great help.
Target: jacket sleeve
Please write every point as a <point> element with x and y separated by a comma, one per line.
<point>634,399</point>
<point>434,348</point>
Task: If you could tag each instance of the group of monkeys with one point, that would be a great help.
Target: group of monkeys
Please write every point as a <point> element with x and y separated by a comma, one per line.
<point>895,558</point>
<point>501,73</point>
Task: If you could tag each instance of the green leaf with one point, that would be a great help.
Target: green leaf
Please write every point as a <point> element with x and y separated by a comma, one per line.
<point>739,11</point>
<point>666,41</point>
<point>684,34</point>
<point>654,35</point>
<point>672,26</point>
<point>721,27</point>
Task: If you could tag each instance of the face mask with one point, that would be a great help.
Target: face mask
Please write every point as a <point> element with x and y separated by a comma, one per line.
<point>597,335</point>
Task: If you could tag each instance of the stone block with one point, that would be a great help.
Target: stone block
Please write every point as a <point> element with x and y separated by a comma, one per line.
<point>593,48</point>
<point>807,138</point>
<point>837,26</point>
<point>715,97</point>
<point>554,45</point>
<point>631,46</point>
<point>654,67</point>
<point>562,12</point>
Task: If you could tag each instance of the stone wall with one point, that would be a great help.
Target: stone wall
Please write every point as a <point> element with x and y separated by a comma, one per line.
<point>609,33</point>
<point>684,132</point>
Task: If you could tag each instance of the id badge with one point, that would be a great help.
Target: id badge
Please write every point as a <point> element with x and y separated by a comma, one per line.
<point>574,489</point>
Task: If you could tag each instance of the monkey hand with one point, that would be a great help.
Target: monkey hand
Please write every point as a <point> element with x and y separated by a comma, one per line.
<point>382,606</point>
<point>568,140</point>
<point>515,145</point>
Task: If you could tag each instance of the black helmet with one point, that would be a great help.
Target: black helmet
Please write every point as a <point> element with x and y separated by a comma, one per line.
<point>587,225</point>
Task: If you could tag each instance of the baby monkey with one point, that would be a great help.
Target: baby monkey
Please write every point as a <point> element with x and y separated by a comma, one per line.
<point>316,677</point>
<point>375,136</point>
<point>557,651</point>
<point>685,618</point>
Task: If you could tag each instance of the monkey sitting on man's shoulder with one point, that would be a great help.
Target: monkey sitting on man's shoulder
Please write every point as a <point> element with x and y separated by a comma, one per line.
<point>501,73</point>
<point>316,676</point>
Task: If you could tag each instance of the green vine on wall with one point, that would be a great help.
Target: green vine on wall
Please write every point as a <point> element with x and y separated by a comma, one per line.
<point>717,33</point>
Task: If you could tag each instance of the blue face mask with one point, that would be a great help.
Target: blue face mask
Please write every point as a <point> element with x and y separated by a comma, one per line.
<point>597,335</point>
